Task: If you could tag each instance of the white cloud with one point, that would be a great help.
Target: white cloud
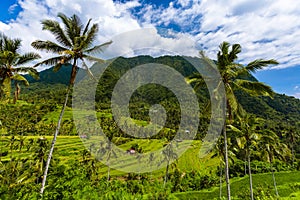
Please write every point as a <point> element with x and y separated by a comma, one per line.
<point>148,40</point>
<point>297,95</point>
<point>4,27</point>
<point>265,28</point>
<point>113,18</point>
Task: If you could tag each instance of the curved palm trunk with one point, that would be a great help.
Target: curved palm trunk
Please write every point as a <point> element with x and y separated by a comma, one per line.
<point>54,141</point>
<point>72,78</point>
<point>250,177</point>
<point>221,181</point>
<point>226,164</point>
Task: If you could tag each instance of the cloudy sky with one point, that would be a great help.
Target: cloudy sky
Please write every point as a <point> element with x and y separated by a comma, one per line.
<point>265,29</point>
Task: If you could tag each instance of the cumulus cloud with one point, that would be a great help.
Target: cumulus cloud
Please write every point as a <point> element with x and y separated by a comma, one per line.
<point>265,28</point>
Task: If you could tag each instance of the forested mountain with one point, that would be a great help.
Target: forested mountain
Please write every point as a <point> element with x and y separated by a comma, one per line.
<point>279,108</point>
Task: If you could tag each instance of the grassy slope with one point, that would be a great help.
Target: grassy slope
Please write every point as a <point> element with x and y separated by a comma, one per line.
<point>284,180</point>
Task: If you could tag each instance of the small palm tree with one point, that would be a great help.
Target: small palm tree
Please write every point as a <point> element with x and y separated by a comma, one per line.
<point>12,64</point>
<point>75,44</point>
<point>232,73</point>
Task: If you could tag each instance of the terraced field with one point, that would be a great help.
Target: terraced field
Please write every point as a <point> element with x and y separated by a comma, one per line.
<point>71,147</point>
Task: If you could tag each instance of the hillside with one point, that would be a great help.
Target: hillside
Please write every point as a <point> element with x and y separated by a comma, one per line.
<point>281,107</point>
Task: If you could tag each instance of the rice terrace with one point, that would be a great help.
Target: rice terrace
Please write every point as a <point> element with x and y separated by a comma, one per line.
<point>116,99</point>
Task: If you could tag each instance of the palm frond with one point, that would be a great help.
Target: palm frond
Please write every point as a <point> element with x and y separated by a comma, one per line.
<point>88,70</point>
<point>86,27</point>
<point>58,66</point>
<point>27,57</point>
<point>76,25</point>
<point>92,58</point>
<point>30,70</point>
<point>48,46</point>
<point>254,88</point>
<point>73,26</point>
<point>236,49</point>
<point>18,77</point>
<point>98,48</point>
<point>53,61</point>
<point>231,99</point>
<point>56,30</point>
<point>68,26</point>
<point>259,64</point>
<point>91,36</point>
<point>10,44</point>
<point>197,80</point>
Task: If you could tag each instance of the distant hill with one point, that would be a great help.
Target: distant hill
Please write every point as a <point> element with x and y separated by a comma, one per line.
<point>281,107</point>
<point>48,76</point>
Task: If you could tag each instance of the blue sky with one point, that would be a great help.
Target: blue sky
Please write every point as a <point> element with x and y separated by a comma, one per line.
<point>265,28</point>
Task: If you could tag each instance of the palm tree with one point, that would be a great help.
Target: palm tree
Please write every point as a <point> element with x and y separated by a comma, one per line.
<point>232,74</point>
<point>270,148</point>
<point>292,137</point>
<point>12,64</point>
<point>247,135</point>
<point>75,44</point>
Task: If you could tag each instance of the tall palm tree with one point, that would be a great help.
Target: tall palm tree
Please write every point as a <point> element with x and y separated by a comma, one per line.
<point>74,45</point>
<point>232,74</point>
<point>12,64</point>
<point>247,134</point>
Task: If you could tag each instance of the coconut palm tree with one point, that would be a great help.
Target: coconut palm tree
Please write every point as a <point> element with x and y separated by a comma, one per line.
<point>247,134</point>
<point>12,64</point>
<point>74,45</point>
<point>234,78</point>
<point>270,148</point>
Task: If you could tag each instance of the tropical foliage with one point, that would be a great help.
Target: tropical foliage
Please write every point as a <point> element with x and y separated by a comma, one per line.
<point>259,150</point>
<point>12,64</point>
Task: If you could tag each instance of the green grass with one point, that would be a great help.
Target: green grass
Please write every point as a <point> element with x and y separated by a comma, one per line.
<point>284,180</point>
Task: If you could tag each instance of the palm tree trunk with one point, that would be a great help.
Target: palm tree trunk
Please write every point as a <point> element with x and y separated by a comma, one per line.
<point>226,164</point>
<point>6,87</point>
<point>221,181</point>
<point>107,163</point>
<point>166,174</point>
<point>54,140</point>
<point>108,173</point>
<point>250,177</point>
<point>245,162</point>
<point>17,92</point>
<point>274,181</point>
<point>293,155</point>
